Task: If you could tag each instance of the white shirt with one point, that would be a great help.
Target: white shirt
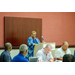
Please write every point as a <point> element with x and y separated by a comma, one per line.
<point>61,53</point>
<point>41,54</point>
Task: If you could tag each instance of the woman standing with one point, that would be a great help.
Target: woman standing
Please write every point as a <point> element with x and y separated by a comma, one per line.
<point>31,42</point>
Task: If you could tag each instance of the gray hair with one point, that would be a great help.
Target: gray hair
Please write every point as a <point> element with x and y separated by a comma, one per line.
<point>48,45</point>
<point>23,48</point>
<point>65,42</point>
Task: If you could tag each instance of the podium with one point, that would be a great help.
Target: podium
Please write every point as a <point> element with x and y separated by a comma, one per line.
<point>42,45</point>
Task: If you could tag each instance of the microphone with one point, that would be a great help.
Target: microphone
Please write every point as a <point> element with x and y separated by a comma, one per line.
<point>43,39</point>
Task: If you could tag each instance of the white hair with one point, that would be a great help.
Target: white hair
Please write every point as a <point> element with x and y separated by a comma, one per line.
<point>23,48</point>
<point>48,45</point>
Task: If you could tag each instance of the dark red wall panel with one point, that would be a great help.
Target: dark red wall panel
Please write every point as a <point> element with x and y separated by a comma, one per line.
<point>18,30</point>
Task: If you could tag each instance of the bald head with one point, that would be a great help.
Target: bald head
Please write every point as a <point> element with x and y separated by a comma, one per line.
<point>8,46</point>
<point>65,45</point>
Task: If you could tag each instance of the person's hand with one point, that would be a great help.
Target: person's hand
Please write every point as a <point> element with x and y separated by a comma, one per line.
<point>35,44</point>
<point>51,60</point>
<point>43,41</point>
<point>47,61</point>
<point>42,61</point>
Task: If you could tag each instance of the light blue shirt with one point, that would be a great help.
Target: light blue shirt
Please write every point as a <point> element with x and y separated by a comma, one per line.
<point>41,54</point>
<point>5,56</point>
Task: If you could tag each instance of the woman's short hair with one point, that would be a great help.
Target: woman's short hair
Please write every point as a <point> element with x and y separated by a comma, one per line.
<point>33,32</point>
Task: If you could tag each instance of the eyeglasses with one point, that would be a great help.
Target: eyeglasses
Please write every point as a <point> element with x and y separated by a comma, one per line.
<point>33,34</point>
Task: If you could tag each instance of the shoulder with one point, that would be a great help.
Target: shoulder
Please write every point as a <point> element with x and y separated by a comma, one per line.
<point>40,51</point>
<point>59,49</point>
<point>30,38</point>
<point>19,59</point>
<point>36,38</point>
<point>5,53</point>
<point>22,58</point>
<point>13,60</point>
<point>15,57</point>
<point>50,53</point>
<point>68,50</point>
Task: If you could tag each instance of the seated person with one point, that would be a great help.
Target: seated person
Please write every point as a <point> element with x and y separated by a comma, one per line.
<point>68,58</point>
<point>5,56</point>
<point>21,56</point>
<point>45,54</point>
<point>62,51</point>
<point>32,41</point>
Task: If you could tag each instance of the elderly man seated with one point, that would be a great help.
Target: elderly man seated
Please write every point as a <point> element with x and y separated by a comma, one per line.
<point>21,56</point>
<point>62,51</point>
<point>45,54</point>
<point>5,55</point>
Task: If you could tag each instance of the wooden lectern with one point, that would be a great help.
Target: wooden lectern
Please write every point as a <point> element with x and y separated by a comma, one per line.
<point>42,45</point>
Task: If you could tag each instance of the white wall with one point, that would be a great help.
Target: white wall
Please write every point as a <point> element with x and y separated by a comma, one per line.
<point>14,52</point>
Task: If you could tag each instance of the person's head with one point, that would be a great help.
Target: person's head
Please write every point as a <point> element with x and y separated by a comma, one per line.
<point>33,34</point>
<point>47,48</point>
<point>8,46</point>
<point>23,49</point>
<point>65,45</point>
<point>68,58</point>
